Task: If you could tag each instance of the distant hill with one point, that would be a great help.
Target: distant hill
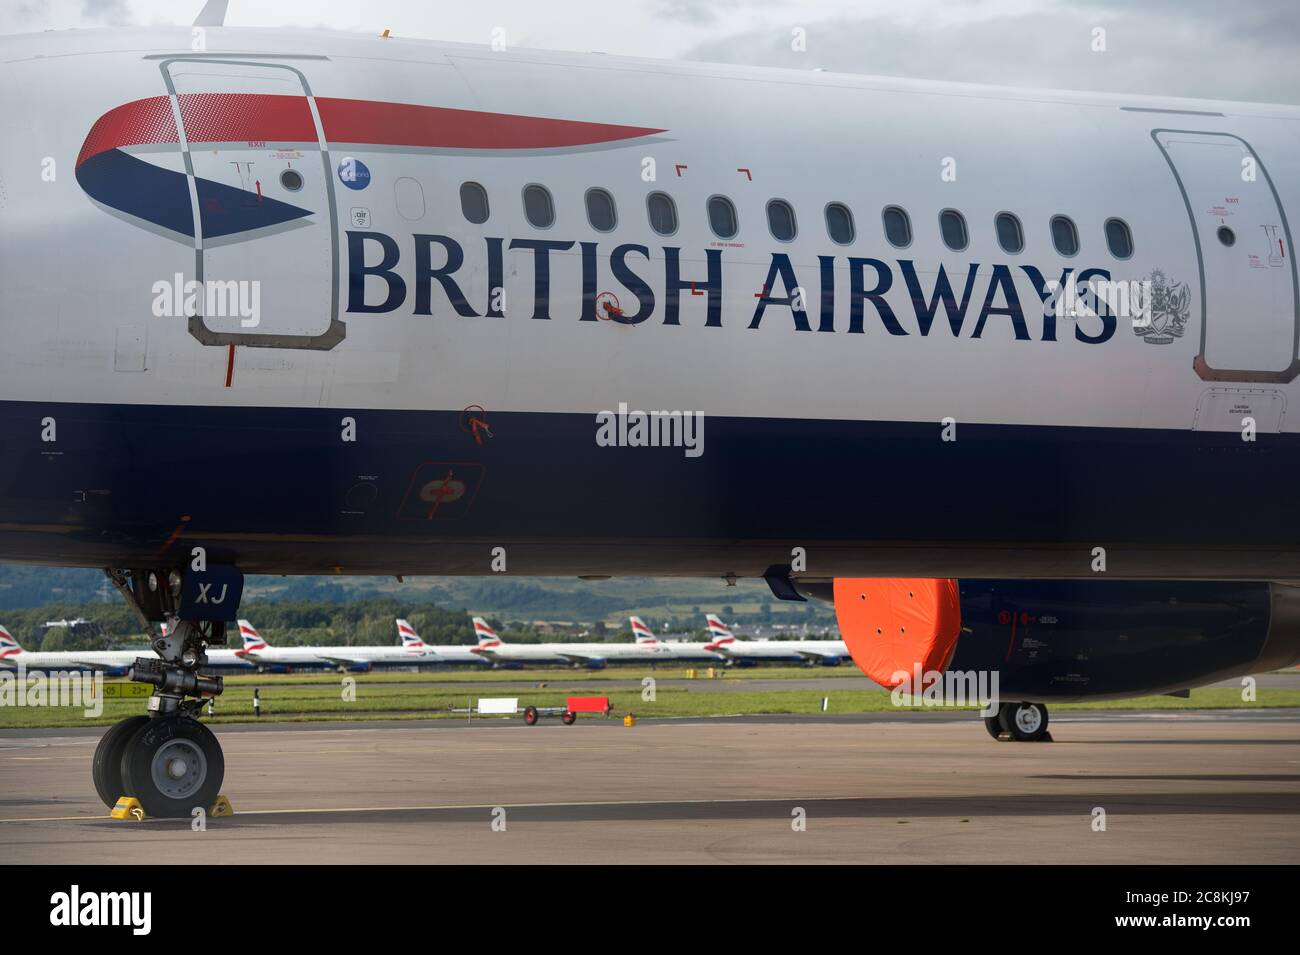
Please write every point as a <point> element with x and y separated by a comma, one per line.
<point>22,585</point>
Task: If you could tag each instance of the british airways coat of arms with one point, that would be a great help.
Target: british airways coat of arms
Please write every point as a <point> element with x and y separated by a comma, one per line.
<point>1169,306</point>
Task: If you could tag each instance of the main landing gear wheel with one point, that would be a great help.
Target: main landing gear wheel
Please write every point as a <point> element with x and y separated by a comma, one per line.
<point>994,725</point>
<point>106,767</point>
<point>172,765</point>
<point>1025,722</point>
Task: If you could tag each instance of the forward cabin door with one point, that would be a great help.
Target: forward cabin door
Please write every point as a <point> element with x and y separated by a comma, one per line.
<point>263,198</point>
<point>1250,307</point>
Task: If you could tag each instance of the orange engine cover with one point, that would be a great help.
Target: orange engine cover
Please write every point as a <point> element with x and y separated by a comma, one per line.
<point>893,624</point>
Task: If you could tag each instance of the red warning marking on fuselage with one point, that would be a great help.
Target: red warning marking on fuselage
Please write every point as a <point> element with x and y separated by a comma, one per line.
<point>171,539</point>
<point>440,491</point>
<point>609,302</point>
<point>474,420</point>
<point>748,174</point>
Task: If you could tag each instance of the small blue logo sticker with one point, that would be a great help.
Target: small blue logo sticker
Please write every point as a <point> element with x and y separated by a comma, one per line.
<point>354,173</point>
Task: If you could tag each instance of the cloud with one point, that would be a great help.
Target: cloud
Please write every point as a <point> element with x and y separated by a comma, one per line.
<point>1200,49</point>
<point>106,12</point>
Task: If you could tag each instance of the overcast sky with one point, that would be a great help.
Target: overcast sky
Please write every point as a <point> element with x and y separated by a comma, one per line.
<point>1226,49</point>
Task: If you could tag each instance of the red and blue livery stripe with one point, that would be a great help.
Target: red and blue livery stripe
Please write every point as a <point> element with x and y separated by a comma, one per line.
<point>111,175</point>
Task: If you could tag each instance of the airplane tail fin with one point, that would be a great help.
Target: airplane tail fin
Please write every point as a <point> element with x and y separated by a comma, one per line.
<point>718,631</point>
<point>410,639</point>
<point>641,633</point>
<point>252,639</point>
<point>9,647</point>
<point>486,635</point>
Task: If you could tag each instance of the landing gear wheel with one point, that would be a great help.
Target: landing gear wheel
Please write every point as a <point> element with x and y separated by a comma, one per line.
<point>172,765</point>
<point>106,767</point>
<point>568,718</point>
<point>994,725</point>
<point>1026,722</point>
<point>530,715</point>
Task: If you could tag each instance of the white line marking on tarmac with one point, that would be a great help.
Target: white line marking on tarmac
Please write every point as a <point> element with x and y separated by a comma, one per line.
<point>793,800</point>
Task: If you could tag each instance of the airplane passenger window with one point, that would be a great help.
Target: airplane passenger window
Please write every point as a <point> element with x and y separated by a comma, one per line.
<point>953,226</point>
<point>474,202</point>
<point>1119,238</point>
<point>1010,236</point>
<point>780,219</point>
<point>898,228</point>
<point>839,223</point>
<point>662,212</point>
<point>1227,236</point>
<point>1065,236</point>
<point>600,210</point>
<point>722,217</point>
<point>538,208</point>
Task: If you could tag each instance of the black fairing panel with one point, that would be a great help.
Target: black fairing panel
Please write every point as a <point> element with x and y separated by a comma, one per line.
<point>1059,640</point>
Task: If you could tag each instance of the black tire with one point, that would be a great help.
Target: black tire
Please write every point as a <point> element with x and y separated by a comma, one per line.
<point>1026,722</point>
<point>106,767</point>
<point>568,718</point>
<point>530,715</point>
<point>994,725</point>
<point>170,745</point>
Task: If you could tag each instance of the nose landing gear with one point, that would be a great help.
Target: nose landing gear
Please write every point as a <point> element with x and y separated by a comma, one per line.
<point>168,760</point>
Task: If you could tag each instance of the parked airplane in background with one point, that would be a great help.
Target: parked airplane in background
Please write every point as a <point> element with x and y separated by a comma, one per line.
<point>591,655</point>
<point>111,662</point>
<point>445,653</point>
<point>361,658</point>
<point>406,277</point>
<point>723,641</point>
<point>673,649</point>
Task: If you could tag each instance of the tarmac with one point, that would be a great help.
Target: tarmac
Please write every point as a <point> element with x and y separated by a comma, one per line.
<point>1169,787</point>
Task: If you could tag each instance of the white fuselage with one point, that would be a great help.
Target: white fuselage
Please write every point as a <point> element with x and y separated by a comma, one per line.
<point>118,661</point>
<point>340,656</point>
<point>689,650</point>
<point>805,650</point>
<point>868,142</point>
<point>565,654</point>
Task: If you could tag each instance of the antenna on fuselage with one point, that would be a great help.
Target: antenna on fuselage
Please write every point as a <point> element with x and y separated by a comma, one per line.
<point>213,14</point>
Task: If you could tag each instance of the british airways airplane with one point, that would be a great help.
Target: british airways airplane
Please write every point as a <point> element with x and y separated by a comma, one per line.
<point>723,641</point>
<point>594,656</point>
<point>257,652</point>
<point>461,309</point>
<point>110,662</point>
<point>442,653</point>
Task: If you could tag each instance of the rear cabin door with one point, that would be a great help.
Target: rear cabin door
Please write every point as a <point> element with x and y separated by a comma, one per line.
<point>1250,321</point>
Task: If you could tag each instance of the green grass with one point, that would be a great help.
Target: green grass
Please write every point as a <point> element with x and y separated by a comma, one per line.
<point>320,697</point>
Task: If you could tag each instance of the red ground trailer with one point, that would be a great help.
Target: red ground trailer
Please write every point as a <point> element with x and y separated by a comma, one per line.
<point>569,712</point>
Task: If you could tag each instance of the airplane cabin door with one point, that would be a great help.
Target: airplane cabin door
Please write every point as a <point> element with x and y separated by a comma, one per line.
<point>1250,309</point>
<point>263,200</point>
